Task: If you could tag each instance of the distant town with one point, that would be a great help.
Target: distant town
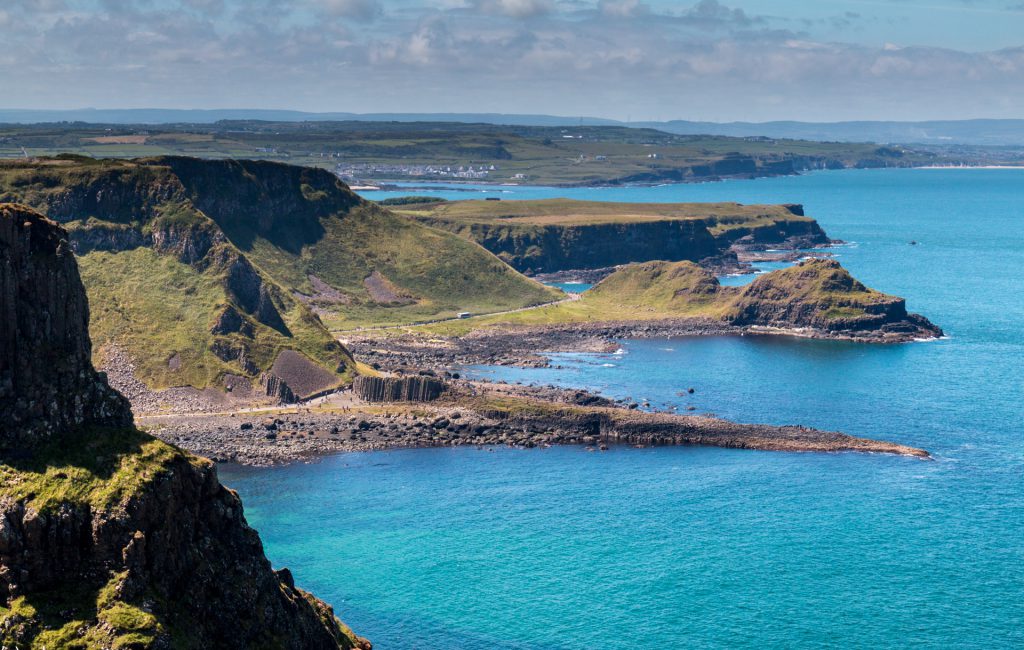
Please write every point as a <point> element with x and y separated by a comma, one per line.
<point>356,171</point>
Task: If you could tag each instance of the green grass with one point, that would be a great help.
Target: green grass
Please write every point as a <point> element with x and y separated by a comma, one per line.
<point>99,469</point>
<point>290,222</point>
<point>158,308</point>
<point>664,290</point>
<point>569,212</point>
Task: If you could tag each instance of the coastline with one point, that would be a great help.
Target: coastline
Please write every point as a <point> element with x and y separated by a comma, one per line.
<point>528,346</point>
<point>481,415</point>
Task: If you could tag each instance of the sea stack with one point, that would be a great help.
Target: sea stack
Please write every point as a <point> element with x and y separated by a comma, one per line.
<point>110,538</point>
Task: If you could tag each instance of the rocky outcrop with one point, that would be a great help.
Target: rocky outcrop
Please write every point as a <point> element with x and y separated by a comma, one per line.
<point>47,383</point>
<point>172,565</point>
<point>251,293</point>
<point>398,389</point>
<point>110,538</point>
<point>122,206</point>
<point>820,294</point>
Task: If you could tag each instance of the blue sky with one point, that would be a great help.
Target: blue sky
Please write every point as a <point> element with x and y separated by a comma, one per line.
<point>720,60</point>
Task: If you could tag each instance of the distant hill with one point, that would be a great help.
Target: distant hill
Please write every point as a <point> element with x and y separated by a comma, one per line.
<point>986,132</point>
<point>948,132</point>
<point>210,116</point>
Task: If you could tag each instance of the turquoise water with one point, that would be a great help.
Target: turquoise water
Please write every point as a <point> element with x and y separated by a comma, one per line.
<point>711,548</point>
<point>570,287</point>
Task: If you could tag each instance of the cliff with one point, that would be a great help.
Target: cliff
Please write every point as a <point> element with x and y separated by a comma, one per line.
<point>47,383</point>
<point>110,538</point>
<point>822,295</point>
<point>205,271</point>
<point>398,389</point>
<point>559,234</point>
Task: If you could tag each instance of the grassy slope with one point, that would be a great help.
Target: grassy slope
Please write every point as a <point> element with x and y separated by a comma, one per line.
<point>289,222</point>
<point>444,274</point>
<point>156,307</point>
<point>662,290</point>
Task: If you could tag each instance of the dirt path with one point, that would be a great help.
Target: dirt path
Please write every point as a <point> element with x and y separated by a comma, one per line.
<point>572,297</point>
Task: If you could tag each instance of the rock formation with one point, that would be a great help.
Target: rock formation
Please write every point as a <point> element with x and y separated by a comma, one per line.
<point>47,382</point>
<point>108,537</point>
<point>398,389</point>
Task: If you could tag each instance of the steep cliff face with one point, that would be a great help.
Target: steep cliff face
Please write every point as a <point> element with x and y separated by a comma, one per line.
<point>551,235</point>
<point>544,249</point>
<point>47,382</point>
<point>110,538</point>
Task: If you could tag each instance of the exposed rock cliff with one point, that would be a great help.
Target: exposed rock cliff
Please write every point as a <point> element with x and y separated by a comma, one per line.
<point>398,389</point>
<point>47,382</point>
<point>222,264</point>
<point>108,537</point>
<point>547,236</point>
<point>548,248</point>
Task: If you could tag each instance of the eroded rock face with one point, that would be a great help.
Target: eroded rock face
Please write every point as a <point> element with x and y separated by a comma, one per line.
<point>114,539</point>
<point>398,389</point>
<point>48,386</point>
<point>180,551</point>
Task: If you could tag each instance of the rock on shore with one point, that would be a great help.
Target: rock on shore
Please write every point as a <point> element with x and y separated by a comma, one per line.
<point>480,415</point>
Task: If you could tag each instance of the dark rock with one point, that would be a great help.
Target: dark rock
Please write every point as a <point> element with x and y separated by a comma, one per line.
<point>398,389</point>
<point>48,386</point>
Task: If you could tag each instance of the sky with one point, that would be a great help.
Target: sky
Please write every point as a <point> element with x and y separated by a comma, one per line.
<point>714,60</point>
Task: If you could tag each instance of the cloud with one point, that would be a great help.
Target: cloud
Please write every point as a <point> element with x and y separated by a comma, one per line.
<point>358,10</point>
<point>705,60</point>
<point>515,8</point>
<point>623,8</point>
<point>712,11</point>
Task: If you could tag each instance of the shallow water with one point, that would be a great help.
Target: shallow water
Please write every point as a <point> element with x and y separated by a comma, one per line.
<point>570,287</point>
<point>700,547</point>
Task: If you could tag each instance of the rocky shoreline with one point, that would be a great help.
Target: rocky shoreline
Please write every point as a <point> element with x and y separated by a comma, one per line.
<point>480,415</point>
<point>528,346</point>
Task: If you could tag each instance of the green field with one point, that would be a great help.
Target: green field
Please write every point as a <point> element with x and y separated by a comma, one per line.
<point>570,212</point>
<point>379,151</point>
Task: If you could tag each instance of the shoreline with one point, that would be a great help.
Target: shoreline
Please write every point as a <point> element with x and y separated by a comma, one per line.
<point>528,346</point>
<point>482,415</point>
<point>399,185</point>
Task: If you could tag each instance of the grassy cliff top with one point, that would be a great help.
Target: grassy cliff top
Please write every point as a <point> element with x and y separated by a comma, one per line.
<point>99,468</point>
<point>570,212</point>
<point>814,293</point>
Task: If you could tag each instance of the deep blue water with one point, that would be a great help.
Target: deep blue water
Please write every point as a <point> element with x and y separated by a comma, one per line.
<point>710,548</point>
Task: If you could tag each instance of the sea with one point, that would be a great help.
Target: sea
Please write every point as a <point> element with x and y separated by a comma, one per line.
<point>696,547</point>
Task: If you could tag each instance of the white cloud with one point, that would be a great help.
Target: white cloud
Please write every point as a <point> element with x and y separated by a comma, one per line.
<point>706,60</point>
<point>515,8</point>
